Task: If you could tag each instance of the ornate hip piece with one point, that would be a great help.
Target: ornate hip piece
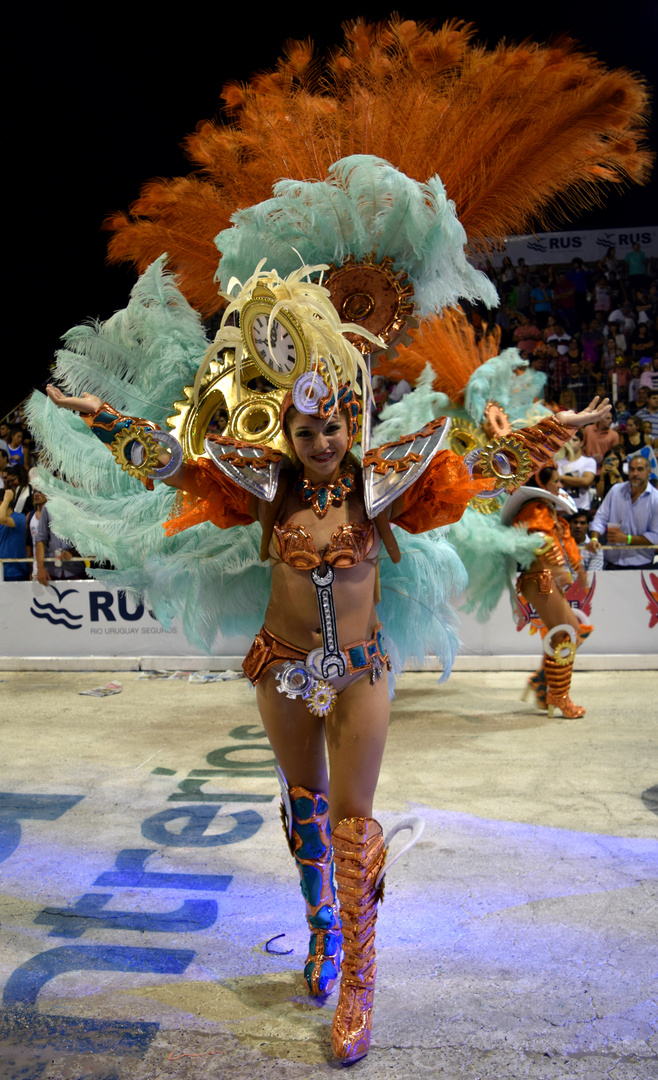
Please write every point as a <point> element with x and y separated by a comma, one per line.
<point>300,673</point>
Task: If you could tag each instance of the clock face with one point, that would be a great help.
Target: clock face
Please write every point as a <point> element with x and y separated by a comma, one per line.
<point>276,349</point>
<point>279,348</point>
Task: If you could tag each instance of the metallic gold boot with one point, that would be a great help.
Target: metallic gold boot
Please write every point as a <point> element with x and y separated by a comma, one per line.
<point>359,854</point>
<point>310,845</point>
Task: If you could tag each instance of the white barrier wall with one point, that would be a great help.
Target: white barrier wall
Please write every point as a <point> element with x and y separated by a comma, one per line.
<point>85,619</point>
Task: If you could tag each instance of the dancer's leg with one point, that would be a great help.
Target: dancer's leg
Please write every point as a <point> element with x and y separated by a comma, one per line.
<point>356,732</point>
<point>356,737</point>
<point>297,739</point>
<point>296,736</point>
<point>554,610</point>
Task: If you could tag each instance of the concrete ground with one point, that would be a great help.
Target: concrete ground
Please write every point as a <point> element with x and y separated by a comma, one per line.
<point>145,869</point>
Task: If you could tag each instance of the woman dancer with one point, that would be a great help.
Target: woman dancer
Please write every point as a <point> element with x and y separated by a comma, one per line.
<point>321,649</point>
<point>536,507</point>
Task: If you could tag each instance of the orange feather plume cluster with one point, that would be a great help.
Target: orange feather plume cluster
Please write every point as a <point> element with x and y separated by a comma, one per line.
<point>520,135</point>
<point>451,345</point>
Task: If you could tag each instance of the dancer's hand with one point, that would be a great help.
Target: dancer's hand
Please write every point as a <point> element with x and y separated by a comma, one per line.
<point>596,410</point>
<point>88,403</point>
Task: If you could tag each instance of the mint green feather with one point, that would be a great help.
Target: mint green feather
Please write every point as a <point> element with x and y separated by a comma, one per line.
<point>490,552</point>
<point>495,381</point>
<point>141,357</point>
<point>365,207</point>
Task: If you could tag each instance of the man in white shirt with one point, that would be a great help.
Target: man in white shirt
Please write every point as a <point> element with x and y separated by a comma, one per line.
<point>629,517</point>
<point>577,475</point>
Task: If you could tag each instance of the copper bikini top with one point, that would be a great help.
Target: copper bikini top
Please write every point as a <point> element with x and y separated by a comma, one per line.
<point>348,546</point>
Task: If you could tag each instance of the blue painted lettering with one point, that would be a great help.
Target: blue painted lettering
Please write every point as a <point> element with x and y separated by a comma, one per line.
<point>26,981</point>
<point>247,824</point>
<point>129,872</point>
<point>86,914</point>
<point>16,808</point>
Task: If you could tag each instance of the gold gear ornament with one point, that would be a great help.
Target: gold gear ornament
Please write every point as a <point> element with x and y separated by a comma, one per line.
<point>516,455</point>
<point>123,440</point>
<point>377,297</point>
<point>465,436</point>
<point>321,699</point>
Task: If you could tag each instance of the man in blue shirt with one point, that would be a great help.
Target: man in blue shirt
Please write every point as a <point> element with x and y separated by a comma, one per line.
<point>13,540</point>
<point>629,517</point>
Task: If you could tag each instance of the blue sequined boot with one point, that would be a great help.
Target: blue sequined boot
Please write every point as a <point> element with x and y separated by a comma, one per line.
<point>310,843</point>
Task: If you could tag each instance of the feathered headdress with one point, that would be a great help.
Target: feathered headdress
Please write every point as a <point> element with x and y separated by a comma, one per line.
<point>520,135</point>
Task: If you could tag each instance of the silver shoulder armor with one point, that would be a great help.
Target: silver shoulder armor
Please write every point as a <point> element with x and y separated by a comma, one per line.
<point>390,469</point>
<point>254,468</point>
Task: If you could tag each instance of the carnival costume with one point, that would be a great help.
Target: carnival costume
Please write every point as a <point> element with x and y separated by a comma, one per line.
<point>557,562</point>
<point>382,247</point>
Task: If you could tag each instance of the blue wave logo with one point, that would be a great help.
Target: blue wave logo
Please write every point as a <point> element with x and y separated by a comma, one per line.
<point>537,245</point>
<point>60,615</point>
<point>607,240</point>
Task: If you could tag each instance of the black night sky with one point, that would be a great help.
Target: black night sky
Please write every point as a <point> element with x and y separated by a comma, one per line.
<point>101,102</point>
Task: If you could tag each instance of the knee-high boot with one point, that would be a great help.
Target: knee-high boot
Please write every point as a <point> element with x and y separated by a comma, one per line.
<point>310,844</point>
<point>359,854</point>
<point>558,681</point>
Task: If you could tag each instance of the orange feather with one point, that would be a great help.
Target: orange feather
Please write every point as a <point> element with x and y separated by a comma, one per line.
<point>521,135</point>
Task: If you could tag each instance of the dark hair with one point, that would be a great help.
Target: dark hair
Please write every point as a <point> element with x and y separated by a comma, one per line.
<point>540,479</point>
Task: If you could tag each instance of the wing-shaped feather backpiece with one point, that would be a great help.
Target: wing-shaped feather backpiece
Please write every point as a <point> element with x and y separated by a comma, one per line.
<point>520,135</point>
<point>140,359</point>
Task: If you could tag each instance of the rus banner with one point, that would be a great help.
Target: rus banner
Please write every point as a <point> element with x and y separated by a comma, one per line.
<point>590,245</point>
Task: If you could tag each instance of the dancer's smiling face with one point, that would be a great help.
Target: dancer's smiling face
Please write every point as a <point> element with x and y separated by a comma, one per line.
<point>319,444</point>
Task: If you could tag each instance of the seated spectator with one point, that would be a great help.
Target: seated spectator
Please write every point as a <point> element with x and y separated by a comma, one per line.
<point>649,376</point>
<point>617,340</point>
<point>592,344</point>
<point>577,275</point>
<point>602,296</point>
<point>623,315</point>
<point>634,383</point>
<point>578,474</point>
<point>4,462</point>
<point>621,414</point>
<point>541,302</point>
<point>628,517</point>
<point>526,336</point>
<point>15,477</point>
<point>51,546</point>
<point>4,435</point>
<point>522,293</point>
<point>642,342</point>
<point>13,539</point>
<point>574,352</point>
<point>591,556</point>
<point>560,337</point>
<point>650,413</point>
<point>581,383</point>
<point>17,455</point>
<point>567,400</point>
<point>641,399</point>
<point>612,472</point>
<point>563,298</point>
<point>633,438</point>
<point>39,501</point>
<point>599,439</point>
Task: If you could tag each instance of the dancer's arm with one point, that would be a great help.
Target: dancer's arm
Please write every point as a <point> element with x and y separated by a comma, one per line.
<point>207,495</point>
